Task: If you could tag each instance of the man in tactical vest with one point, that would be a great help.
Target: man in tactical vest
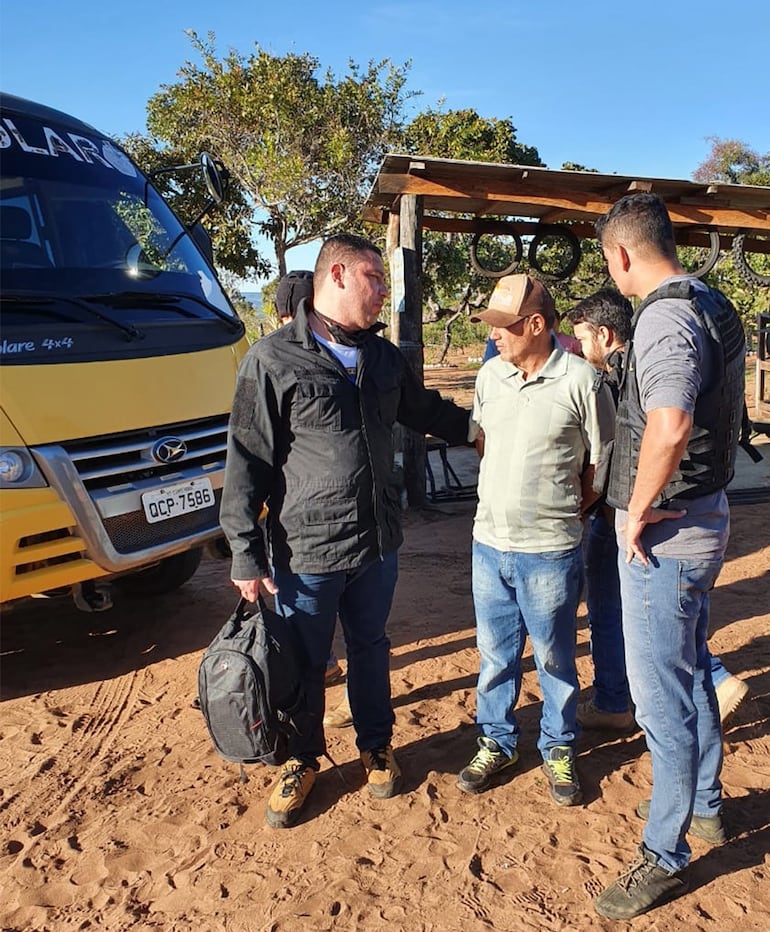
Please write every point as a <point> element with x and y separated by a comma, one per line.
<point>679,419</point>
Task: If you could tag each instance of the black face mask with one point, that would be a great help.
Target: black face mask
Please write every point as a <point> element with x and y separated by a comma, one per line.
<point>349,337</point>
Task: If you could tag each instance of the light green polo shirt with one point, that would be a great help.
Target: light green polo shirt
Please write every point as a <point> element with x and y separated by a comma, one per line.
<point>540,434</point>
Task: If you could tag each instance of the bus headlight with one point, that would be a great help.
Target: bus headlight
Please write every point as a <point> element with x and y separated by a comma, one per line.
<point>18,470</point>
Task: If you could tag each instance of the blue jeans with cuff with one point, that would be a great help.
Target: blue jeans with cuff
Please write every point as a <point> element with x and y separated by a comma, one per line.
<point>515,595</point>
<point>665,624</point>
<point>362,597</point>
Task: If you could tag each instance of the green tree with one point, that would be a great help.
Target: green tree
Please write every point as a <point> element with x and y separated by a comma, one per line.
<point>229,223</point>
<point>734,162</point>
<point>302,146</point>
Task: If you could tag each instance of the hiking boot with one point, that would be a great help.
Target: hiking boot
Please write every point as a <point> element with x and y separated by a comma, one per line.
<point>640,888</point>
<point>590,716</point>
<point>560,770</point>
<point>334,674</point>
<point>730,694</point>
<point>289,793</point>
<point>339,717</point>
<point>487,763</point>
<point>709,828</point>
<point>383,775</point>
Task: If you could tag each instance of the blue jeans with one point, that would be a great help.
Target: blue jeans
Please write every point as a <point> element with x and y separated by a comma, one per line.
<point>362,598</point>
<point>718,671</point>
<point>665,623</point>
<point>515,595</point>
<point>604,616</point>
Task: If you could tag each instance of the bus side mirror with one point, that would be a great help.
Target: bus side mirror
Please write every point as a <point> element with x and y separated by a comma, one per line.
<point>214,177</point>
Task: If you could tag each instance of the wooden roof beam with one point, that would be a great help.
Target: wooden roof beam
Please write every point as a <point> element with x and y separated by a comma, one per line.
<point>585,202</point>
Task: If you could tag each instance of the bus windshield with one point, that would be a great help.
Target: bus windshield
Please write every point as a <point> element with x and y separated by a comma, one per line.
<point>78,220</point>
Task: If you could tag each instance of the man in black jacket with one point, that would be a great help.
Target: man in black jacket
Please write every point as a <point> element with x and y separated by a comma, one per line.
<point>311,437</point>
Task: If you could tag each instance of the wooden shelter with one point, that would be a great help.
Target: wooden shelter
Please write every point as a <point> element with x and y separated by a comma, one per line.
<point>412,193</point>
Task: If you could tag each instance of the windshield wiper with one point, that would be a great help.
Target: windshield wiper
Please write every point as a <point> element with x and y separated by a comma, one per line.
<point>121,298</point>
<point>44,298</point>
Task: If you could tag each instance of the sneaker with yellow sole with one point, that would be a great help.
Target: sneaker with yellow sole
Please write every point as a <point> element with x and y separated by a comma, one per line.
<point>485,767</point>
<point>290,793</point>
<point>383,775</point>
<point>559,767</point>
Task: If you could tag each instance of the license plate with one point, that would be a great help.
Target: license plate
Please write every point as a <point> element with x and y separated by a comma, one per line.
<point>178,499</point>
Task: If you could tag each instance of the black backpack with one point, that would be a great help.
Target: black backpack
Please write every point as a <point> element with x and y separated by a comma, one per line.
<point>249,687</point>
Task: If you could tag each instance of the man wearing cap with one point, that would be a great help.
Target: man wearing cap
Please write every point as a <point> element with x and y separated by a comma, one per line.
<point>293,288</point>
<point>546,417</point>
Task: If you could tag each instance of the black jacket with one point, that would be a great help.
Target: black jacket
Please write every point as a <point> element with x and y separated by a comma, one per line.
<point>317,449</point>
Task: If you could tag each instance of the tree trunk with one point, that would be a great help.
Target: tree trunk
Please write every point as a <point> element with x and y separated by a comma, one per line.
<point>447,341</point>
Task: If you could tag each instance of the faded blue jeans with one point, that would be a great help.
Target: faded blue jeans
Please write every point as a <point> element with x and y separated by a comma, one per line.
<point>515,595</point>
<point>363,598</point>
<point>665,624</point>
<point>605,616</point>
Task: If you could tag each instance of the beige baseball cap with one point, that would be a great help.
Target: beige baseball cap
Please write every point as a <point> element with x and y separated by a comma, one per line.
<point>514,298</point>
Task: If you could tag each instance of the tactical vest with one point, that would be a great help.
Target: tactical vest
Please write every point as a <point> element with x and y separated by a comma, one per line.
<point>708,463</point>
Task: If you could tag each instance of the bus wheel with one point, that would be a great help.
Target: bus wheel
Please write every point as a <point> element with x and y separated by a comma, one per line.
<point>164,577</point>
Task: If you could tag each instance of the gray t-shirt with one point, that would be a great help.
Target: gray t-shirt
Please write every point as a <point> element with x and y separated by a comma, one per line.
<point>672,361</point>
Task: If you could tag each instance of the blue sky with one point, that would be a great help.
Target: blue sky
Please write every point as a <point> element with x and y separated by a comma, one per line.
<point>620,87</point>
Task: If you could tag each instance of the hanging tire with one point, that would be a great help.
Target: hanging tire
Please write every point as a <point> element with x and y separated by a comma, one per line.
<point>742,265</point>
<point>164,577</point>
<point>550,230</point>
<point>713,256</point>
<point>518,252</point>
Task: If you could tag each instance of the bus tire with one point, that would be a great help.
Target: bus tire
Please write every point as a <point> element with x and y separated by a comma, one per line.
<point>163,577</point>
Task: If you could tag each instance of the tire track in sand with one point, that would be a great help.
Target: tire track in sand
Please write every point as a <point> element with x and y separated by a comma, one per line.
<point>63,775</point>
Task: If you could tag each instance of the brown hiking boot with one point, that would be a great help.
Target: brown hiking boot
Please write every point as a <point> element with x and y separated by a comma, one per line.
<point>339,717</point>
<point>334,674</point>
<point>383,775</point>
<point>289,794</point>
<point>591,717</point>
<point>640,888</point>
<point>708,828</point>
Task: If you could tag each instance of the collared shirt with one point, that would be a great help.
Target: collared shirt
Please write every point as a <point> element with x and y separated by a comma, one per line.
<point>540,435</point>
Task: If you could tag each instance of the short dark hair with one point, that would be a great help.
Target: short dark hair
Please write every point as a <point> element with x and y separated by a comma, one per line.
<point>292,288</point>
<point>606,308</point>
<point>640,220</point>
<point>340,248</point>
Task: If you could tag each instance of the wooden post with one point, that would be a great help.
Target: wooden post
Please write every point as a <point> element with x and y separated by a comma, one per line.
<point>410,337</point>
<point>391,245</point>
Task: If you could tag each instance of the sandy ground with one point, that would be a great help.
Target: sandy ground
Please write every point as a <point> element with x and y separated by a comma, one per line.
<point>116,813</point>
